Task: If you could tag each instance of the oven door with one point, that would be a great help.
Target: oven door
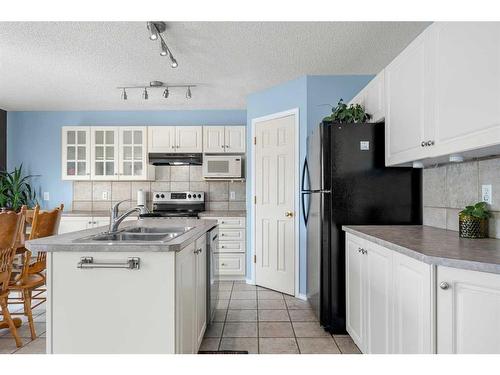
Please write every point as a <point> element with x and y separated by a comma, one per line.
<point>222,166</point>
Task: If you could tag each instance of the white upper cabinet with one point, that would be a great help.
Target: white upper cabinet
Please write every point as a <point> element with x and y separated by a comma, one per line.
<point>75,153</point>
<point>443,94</point>
<point>104,153</point>
<point>133,153</point>
<point>161,138</point>
<point>213,139</point>
<point>467,85</point>
<point>372,98</point>
<point>170,139</point>
<point>408,95</point>
<point>189,138</point>
<point>221,139</point>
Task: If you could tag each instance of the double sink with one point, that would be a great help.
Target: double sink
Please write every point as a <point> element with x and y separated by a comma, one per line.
<point>139,234</point>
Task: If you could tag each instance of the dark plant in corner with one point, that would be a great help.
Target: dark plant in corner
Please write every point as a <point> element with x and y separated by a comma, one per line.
<point>473,221</point>
<point>344,114</point>
<point>16,190</point>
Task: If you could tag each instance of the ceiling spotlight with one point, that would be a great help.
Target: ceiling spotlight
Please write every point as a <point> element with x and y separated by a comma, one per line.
<point>124,95</point>
<point>153,31</point>
<point>166,93</point>
<point>173,61</point>
<point>188,93</point>
<point>145,95</point>
<point>164,49</point>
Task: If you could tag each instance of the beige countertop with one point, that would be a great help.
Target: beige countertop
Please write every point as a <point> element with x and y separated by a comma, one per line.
<point>434,245</point>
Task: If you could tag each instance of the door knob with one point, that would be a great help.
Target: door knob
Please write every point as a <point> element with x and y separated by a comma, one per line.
<point>444,285</point>
<point>288,214</point>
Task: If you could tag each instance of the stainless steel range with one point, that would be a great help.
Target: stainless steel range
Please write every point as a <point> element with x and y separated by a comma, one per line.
<point>178,204</point>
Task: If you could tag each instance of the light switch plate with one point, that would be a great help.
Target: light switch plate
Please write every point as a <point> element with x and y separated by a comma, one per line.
<point>232,195</point>
<point>364,145</point>
<point>105,196</point>
<point>486,194</point>
<point>46,196</point>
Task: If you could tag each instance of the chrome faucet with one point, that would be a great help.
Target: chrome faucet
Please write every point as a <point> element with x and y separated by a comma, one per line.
<point>115,219</point>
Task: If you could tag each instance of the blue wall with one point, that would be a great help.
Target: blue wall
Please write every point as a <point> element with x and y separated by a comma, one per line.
<point>306,93</point>
<point>34,138</point>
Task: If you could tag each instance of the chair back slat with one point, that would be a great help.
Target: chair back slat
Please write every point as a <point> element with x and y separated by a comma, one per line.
<point>10,222</point>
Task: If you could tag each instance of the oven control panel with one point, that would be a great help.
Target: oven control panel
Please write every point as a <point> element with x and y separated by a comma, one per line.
<point>178,196</point>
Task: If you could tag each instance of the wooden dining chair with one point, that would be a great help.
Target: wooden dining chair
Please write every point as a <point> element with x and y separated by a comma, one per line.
<point>10,222</point>
<point>29,283</point>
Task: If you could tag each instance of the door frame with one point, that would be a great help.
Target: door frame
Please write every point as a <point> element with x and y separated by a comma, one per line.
<point>254,121</point>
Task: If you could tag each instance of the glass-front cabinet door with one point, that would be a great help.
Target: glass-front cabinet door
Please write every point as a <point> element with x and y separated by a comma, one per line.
<point>76,153</point>
<point>133,157</point>
<point>104,153</point>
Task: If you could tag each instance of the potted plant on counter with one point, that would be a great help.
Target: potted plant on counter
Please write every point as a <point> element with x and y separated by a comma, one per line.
<point>16,190</point>
<point>473,221</point>
<point>348,114</point>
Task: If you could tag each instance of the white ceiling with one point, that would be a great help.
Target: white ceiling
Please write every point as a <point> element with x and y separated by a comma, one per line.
<point>76,66</point>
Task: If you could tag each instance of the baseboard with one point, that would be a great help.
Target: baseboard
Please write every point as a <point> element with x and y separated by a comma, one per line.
<point>302,296</point>
<point>249,281</point>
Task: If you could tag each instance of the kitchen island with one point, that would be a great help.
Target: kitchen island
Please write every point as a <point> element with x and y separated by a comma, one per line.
<point>141,290</point>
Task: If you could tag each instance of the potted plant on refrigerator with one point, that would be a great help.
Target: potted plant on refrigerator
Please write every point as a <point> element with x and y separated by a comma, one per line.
<point>348,114</point>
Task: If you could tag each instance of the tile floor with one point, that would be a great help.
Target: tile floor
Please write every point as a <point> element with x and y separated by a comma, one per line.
<point>247,318</point>
<point>262,321</point>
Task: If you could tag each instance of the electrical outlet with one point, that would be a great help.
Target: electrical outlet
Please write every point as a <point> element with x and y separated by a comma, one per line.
<point>105,195</point>
<point>46,196</point>
<point>232,195</point>
<point>486,195</point>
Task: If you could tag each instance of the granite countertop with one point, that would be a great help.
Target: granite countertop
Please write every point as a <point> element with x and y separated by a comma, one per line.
<point>72,242</point>
<point>202,214</point>
<point>433,245</point>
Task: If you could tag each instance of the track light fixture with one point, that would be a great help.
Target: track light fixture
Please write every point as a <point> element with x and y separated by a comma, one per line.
<point>156,28</point>
<point>155,85</point>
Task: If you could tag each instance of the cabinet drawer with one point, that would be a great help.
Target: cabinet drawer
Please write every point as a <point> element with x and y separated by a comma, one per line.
<point>230,264</point>
<point>231,247</point>
<point>231,235</point>
<point>228,222</point>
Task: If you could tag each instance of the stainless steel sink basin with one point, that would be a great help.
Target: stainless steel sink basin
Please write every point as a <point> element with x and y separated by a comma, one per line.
<point>150,230</point>
<point>138,234</point>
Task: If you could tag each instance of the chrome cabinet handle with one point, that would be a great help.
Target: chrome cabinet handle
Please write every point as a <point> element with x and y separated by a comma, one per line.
<point>362,251</point>
<point>444,285</point>
<point>198,251</point>
<point>88,263</point>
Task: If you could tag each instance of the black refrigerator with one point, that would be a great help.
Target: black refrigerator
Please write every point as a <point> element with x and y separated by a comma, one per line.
<point>345,182</point>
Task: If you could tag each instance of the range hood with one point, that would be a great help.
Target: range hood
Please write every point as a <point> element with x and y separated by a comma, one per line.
<point>160,158</point>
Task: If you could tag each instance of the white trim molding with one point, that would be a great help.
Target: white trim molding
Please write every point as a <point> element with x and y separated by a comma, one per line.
<point>273,116</point>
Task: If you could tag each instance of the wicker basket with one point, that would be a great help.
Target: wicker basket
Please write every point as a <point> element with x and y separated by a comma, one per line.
<point>472,227</point>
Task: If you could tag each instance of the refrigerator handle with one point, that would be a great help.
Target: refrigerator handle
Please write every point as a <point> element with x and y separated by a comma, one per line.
<point>305,171</point>
<point>305,214</point>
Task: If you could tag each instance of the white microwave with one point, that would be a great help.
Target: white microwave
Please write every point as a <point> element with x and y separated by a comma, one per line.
<point>221,166</point>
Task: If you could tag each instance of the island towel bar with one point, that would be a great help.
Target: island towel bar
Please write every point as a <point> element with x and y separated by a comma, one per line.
<point>88,263</point>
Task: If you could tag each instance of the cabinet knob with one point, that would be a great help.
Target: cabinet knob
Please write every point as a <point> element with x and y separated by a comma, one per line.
<point>227,146</point>
<point>430,143</point>
<point>444,285</point>
<point>423,144</point>
<point>223,264</point>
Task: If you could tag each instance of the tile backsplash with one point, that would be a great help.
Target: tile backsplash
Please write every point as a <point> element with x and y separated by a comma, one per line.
<point>89,195</point>
<point>448,189</point>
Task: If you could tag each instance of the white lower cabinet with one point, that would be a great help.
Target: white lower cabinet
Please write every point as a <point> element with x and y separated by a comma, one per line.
<point>75,223</point>
<point>468,311</point>
<point>191,296</point>
<point>230,256</point>
<point>388,299</point>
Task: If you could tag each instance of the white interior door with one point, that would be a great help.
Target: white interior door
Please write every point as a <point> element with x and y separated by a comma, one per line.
<point>275,204</point>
